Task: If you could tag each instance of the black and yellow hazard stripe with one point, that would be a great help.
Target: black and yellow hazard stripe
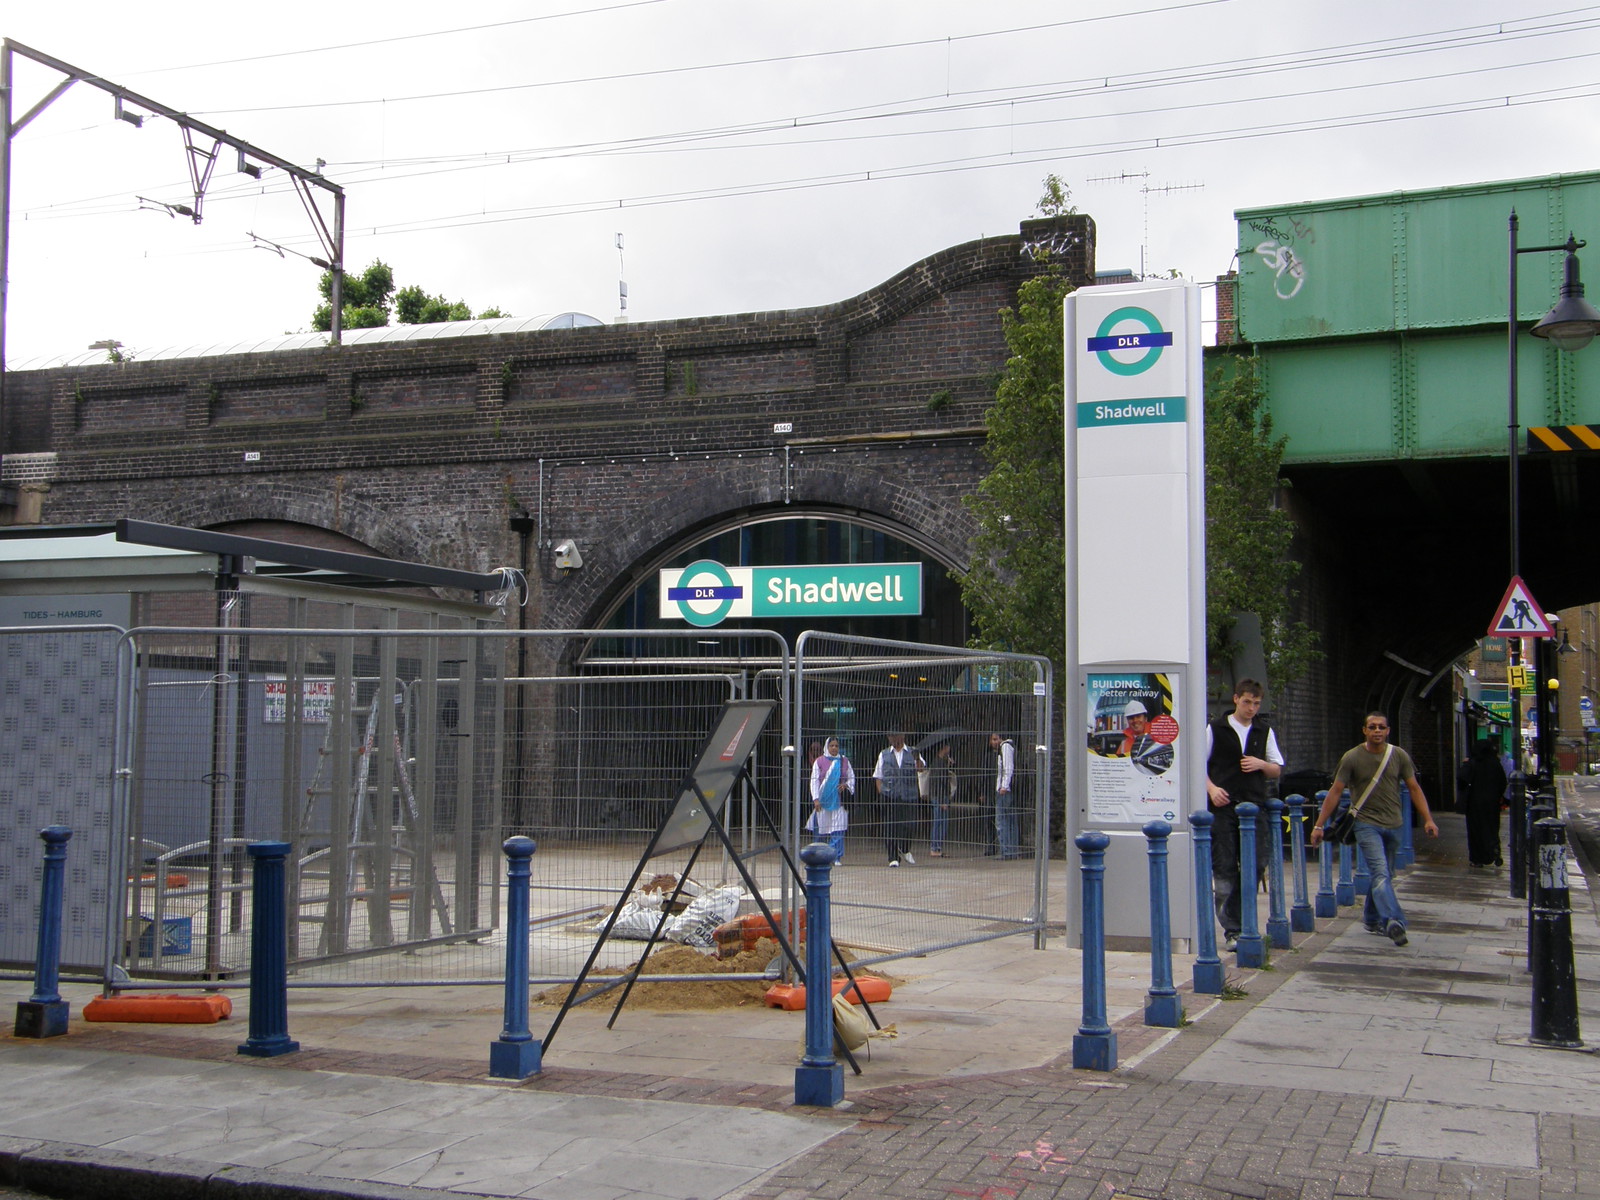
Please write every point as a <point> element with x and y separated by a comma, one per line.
<point>1556,438</point>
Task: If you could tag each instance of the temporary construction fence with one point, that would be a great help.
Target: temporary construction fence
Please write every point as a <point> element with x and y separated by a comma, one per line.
<point>395,761</point>
<point>952,706</point>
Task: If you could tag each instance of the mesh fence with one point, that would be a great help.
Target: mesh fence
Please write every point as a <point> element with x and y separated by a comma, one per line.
<point>971,858</point>
<point>396,756</point>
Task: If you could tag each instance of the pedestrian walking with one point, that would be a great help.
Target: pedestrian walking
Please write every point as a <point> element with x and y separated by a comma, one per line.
<point>1374,771</point>
<point>1242,759</point>
<point>896,780</point>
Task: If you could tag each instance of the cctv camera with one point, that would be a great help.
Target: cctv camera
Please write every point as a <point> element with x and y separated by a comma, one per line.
<point>567,556</point>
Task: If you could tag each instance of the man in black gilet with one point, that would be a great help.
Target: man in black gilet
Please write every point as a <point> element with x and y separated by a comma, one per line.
<point>1242,757</point>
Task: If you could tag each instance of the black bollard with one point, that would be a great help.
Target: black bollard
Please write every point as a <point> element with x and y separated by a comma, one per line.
<point>44,1014</point>
<point>1555,985</point>
<point>1517,851</point>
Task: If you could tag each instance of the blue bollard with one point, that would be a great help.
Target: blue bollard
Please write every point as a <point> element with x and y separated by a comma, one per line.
<point>1277,918</point>
<point>44,1014</point>
<point>1301,919</point>
<point>819,1079</point>
<point>1250,950</point>
<point>1209,977</point>
<point>518,1054</point>
<point>1407,853</point>
<point>1327,901</point>
<point>1162,1006</point>
<point>269,954</point>
<point>1345,890</point>
<point>1094,1046</point>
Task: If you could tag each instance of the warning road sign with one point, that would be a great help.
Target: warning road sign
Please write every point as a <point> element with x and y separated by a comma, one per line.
<point>1519,614</point>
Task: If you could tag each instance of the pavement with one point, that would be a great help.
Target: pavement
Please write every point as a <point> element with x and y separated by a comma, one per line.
<point>1348,1067</point>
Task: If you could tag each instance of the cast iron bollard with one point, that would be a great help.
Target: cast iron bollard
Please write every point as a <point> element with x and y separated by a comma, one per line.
<point>1517,835</point>
<point>1407,852</point>
<point>1209,977</point>
<point>1249,950</point>
<point>1301,919</point>
<point>1537,811</point>
<point>1346,887</point>
<point>44,1014</point>
<point>269,954</point>
<point>1277,918</point>
<point>518,1054</point>
<point>1327,899</point>
<point>1094,1046</point>
<point>1555,987</point>
<point>1161,1003</point>
<point>819,1079</point>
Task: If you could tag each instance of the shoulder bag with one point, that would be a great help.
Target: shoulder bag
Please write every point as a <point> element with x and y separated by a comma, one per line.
<point>1342,828</point>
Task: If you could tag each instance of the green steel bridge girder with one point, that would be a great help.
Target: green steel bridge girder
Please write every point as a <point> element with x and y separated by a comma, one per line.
<point>1380,321</point>
<point>1429,395</point>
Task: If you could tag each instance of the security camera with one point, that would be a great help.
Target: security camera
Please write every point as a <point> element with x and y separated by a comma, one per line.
<point>567,556</point>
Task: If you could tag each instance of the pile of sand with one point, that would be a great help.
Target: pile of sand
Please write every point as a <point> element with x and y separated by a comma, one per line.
<point>689,995</point>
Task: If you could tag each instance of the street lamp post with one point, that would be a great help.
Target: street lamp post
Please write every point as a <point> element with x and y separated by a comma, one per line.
<point>1570,325</point>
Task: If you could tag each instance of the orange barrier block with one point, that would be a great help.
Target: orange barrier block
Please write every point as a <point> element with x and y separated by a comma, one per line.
<point>791,997</point>
<point>201,1009</point>
<point>173,880</point>
<point>742,933</point>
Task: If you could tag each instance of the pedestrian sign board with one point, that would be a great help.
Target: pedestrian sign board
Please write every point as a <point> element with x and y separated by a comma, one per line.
<point>1519,614</point>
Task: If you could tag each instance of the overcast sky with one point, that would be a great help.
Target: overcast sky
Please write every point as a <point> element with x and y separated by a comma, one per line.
<point>754,156</point>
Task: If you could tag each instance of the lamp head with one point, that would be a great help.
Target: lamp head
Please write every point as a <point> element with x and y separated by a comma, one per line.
<point>1573,322</point>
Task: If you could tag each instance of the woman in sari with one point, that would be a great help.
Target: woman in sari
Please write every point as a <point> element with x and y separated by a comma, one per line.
<point>833,781</point>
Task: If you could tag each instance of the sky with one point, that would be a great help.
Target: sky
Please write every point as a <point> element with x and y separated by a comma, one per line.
<point>752,156</point>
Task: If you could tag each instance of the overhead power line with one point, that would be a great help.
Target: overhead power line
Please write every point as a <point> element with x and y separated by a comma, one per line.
<point>737,136</point>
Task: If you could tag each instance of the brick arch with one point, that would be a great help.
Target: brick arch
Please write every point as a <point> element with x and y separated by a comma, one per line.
<point>317,508</point>
<point>663,519</point>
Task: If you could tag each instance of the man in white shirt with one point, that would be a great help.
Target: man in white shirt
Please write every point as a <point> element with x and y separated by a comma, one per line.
<point>896,779</point>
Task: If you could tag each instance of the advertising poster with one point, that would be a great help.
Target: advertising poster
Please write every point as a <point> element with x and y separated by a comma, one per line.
<point>1134,748</point>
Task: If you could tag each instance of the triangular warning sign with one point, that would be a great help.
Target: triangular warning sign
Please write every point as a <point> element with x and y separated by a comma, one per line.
<point>1519,614</point>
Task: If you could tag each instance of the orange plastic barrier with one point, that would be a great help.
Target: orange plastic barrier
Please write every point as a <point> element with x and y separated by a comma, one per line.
<point>204,1009</point>
<point>173,880</point>
<point>791,997</point>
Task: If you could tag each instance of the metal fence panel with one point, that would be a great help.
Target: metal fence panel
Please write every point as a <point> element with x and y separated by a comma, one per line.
<point>397,759</point>
<point>863,690</point>
<point>58,707</point>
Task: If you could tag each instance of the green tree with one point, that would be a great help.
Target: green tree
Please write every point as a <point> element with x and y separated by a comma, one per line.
<point>364,298</point>
<point>1248,534</point>
<point>1015,585</point>
<point>369,298</point>
<point>413,306</point>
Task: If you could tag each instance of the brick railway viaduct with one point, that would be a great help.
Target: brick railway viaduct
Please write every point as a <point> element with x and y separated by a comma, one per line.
<point>637,440</point>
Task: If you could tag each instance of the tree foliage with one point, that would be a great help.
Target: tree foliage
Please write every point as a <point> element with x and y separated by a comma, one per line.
<point>370,298</point>
<point>1248,535</point>
<point>1015,587</point>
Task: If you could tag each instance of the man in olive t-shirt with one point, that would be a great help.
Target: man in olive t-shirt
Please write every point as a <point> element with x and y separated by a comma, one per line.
<point>1378,820</point>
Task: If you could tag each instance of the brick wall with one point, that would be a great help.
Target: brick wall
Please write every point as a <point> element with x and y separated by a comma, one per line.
<point>628,438</point>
